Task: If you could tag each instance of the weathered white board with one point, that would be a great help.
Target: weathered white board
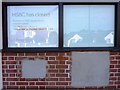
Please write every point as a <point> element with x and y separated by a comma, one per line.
<point>34,68</point>
<point>90,69</point>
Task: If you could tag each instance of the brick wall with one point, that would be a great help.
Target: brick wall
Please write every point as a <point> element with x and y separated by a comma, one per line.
<point>58,71</point>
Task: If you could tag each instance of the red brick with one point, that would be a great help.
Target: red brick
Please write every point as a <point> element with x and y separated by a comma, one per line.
<point>3,62</point>
<point>56,77</point>
<point>62,54</point>
<point>51,83</point>
<point>46,58</point>
<point>3,54</point>
<point>61,62</point>
<point>111,74</point>
<point>61,83</point>
<point>42,54</point>
<point>111,66</point>
<point>41,83</point>
<point>4,66</point>
<point>32,79</point>
<point>12,75</point>
<point>118,53</point>
<point>21,54</point>
<point>118,78</point>
<point>5,87</point>
<point>52,87</point>
<point>52,58</point>
<point>113,62</point>
<point>3,71</point>
<point>10,58</point>
<point>31,83</point>
<point>22,79</point>
<point>118,57</point>
<point>5,75</point>
<point>62,58</point>
<point>52,79</point>
<point>4,79</point>
<point>22,87</point>
<point>11,66</point>
<point>52,75</point>
<point>4,58</point>
<point>112,58</point>
<point>61,66</point>
<point>117,74</point>
<point>118,87</point>
<point>113,78</point>
<point>52,71</point>
<point>61,71</point>
<point>12,83</point>
<point>111,82</point>
<point>51,66</point>
<point>114,53</point>
<point>110,87</point>
<point>117,66</point>
<point>10,54</point>
<point>32,87</point>
<point>51,54</point>
<point>113,70</point>
<point>119,62</point>
<point>30,54</point>
<point>11,71</point>
<point>10,62</point>
<point>12,79</point>
<point>117,82</point>
<point>52,62</point>
<point>12,87</point>
<point>61,75</point>
<point>5,83</point>
<point>41,87</point>
<point>19,58</point>
<point>68,79</point>
<point>22,83</point>
<point>62,79</point>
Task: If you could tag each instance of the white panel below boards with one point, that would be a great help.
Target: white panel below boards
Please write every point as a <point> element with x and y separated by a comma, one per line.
<point>90,69</point>
<point>34,68</point>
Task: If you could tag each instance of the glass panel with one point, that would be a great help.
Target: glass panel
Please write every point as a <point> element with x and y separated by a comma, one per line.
<point>89,25</point>
<point>33,26</point>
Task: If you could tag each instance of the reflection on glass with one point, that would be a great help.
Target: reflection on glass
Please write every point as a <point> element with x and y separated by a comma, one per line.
<point>89,25</point>
<point>33,26</point>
